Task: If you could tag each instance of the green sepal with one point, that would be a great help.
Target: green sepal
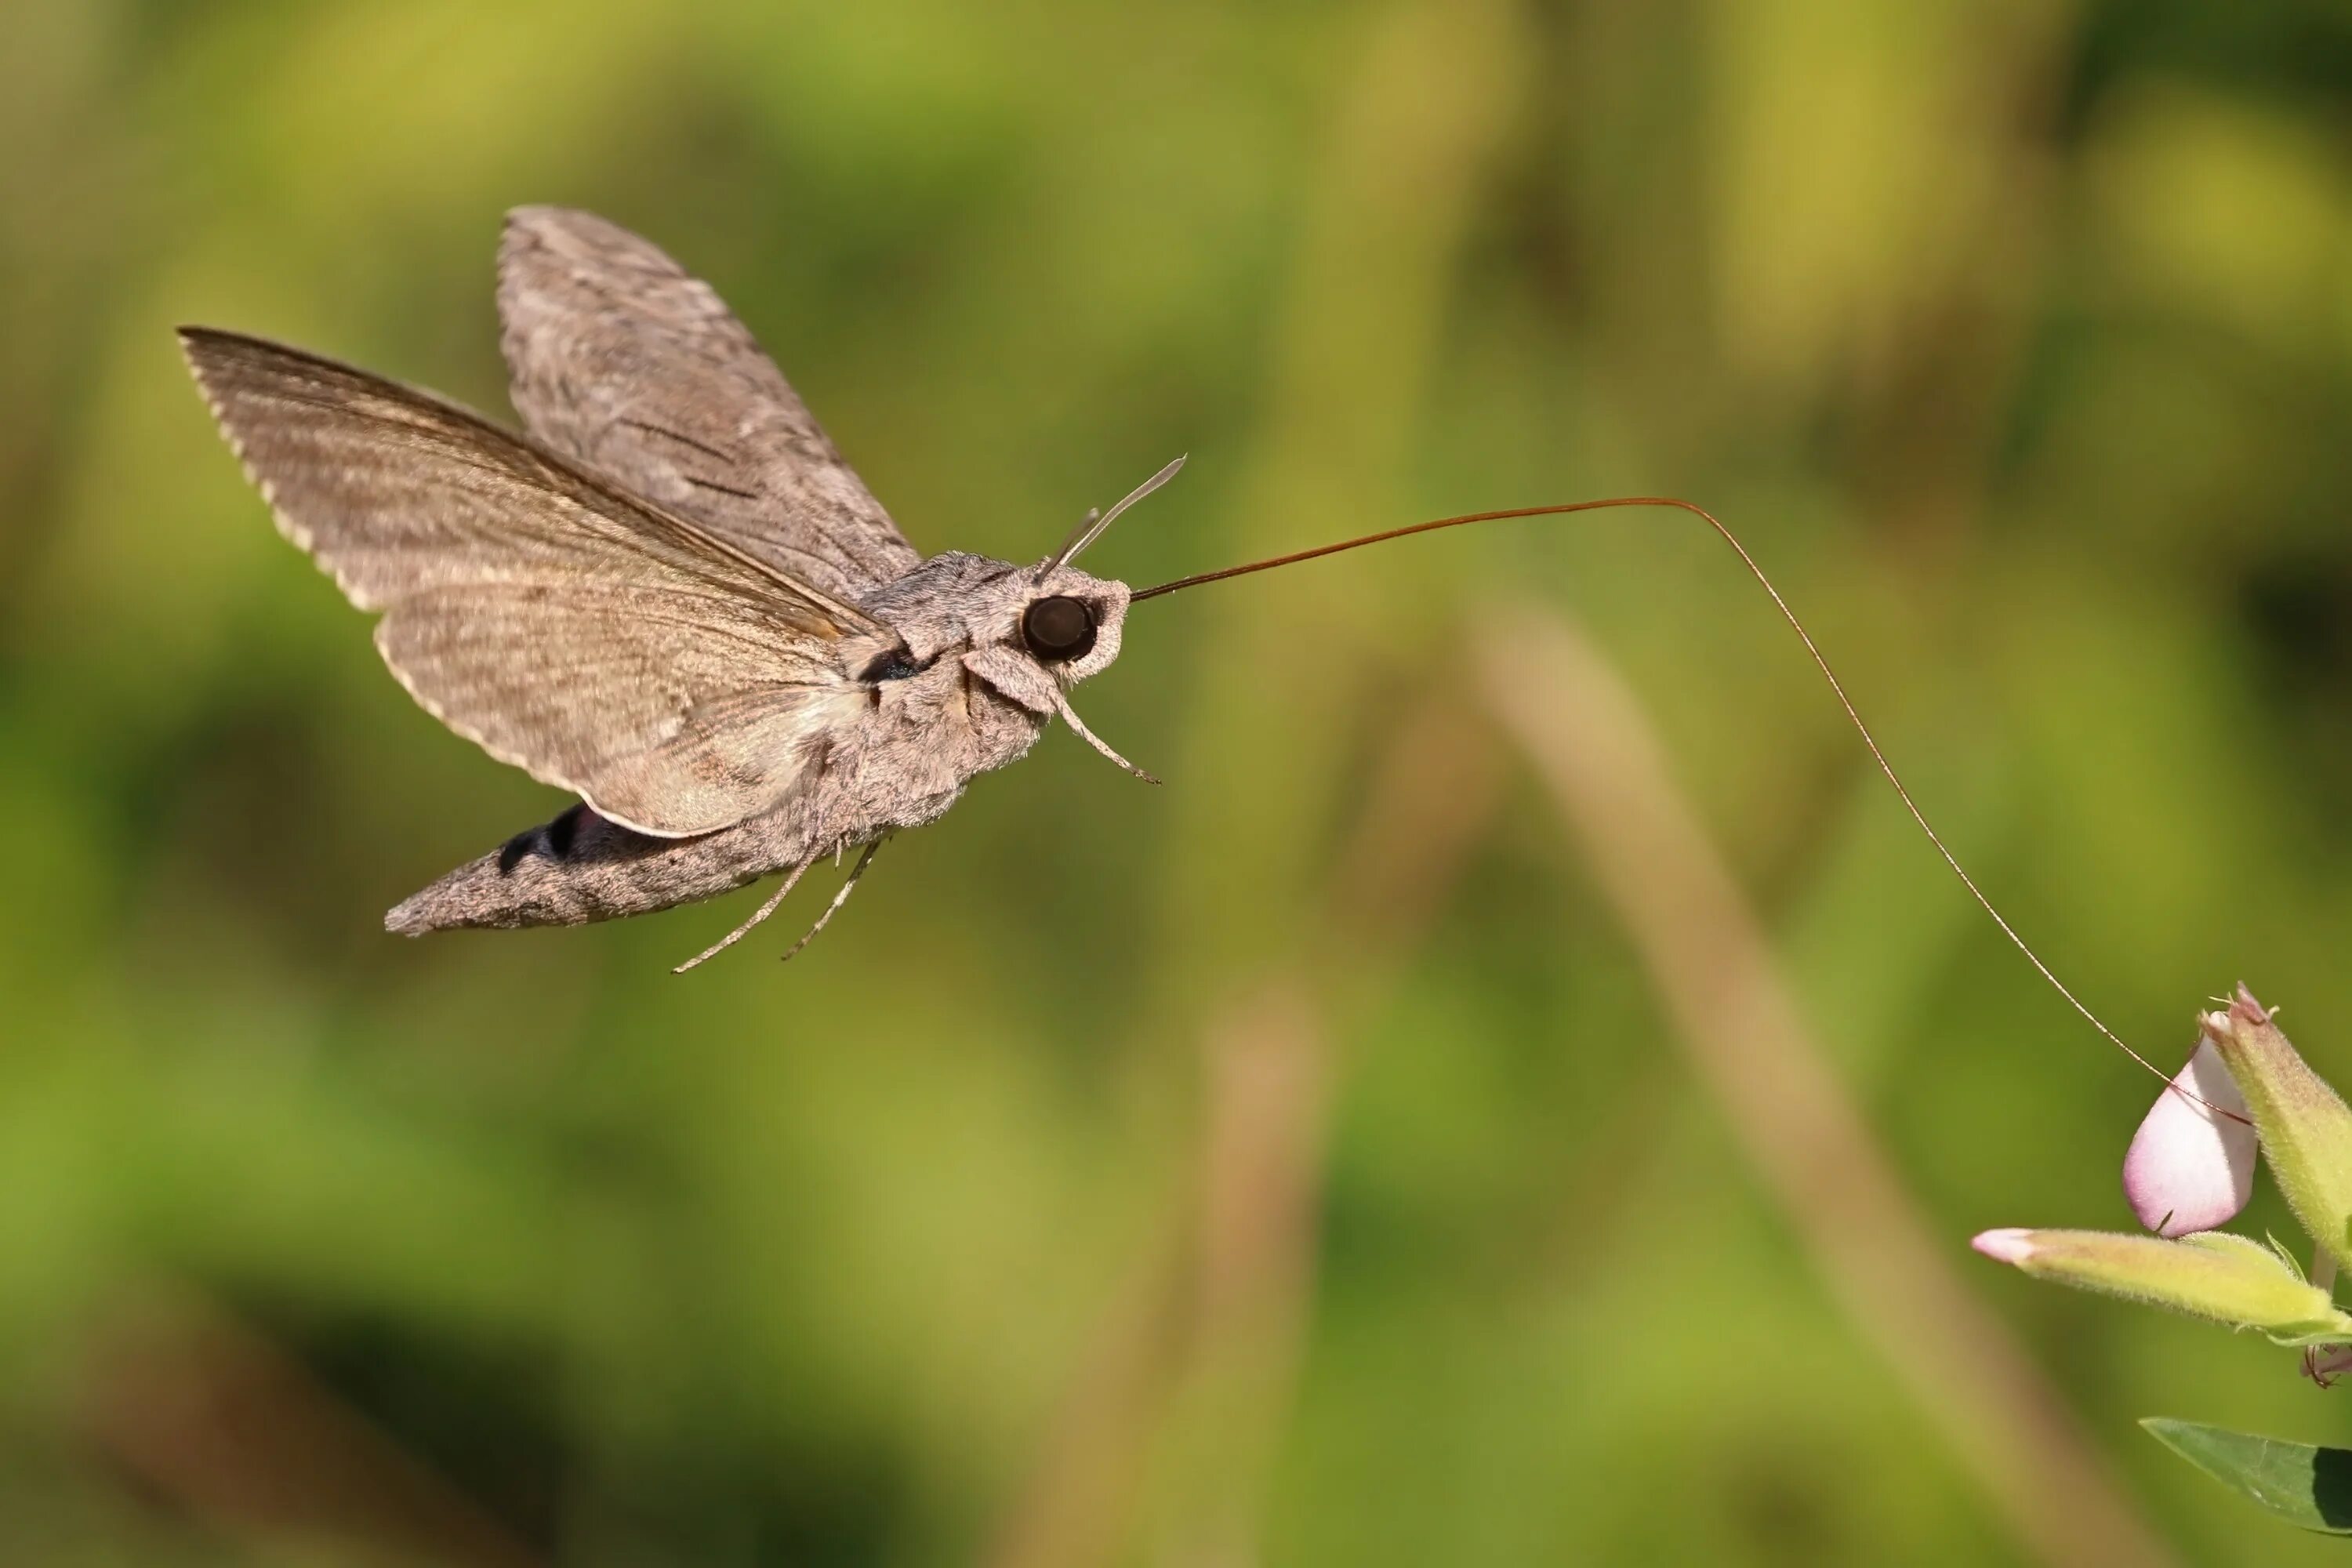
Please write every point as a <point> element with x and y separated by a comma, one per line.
<point>2293,1264</point>
<point>2336,1331</point>
<point>2306,1126</point>
<point>2211,1274</point>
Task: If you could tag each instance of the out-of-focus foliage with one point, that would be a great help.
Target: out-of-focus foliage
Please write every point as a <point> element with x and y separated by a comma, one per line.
<point>2016,338</point>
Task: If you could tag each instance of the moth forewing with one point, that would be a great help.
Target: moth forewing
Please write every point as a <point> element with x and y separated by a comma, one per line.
<point>622,360</point>
<point>603,645</point>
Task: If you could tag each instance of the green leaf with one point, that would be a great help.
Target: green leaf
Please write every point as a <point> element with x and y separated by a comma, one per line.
<point>2306,1486</point>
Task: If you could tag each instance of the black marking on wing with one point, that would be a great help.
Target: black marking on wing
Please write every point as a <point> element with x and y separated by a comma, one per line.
<point>684,440</point>
<point>731,462</point>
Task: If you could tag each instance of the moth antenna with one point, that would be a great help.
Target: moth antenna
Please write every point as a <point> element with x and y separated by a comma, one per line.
<point>1091,527</point>
<point>1821,661</point>
<point>1070,546</point>
<point>1070,717</point>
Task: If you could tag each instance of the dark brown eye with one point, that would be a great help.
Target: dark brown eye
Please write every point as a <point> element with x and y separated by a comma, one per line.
<point>1058,628</point>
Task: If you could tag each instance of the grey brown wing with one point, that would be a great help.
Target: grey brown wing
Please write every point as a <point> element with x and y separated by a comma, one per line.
<point>603,645</point>
<point>622,360</point>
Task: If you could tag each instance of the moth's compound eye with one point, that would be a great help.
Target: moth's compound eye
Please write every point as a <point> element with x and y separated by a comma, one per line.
<point>1058,628</point>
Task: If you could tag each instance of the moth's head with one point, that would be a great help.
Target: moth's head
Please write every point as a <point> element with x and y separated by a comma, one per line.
<point>1067,621</point>
<point>1039,630</point>
<point>1042,629</point>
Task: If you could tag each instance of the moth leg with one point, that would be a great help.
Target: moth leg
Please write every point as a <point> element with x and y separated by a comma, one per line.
<point>732,936</point>
<point>839,898</point>
<point>1062,706</point>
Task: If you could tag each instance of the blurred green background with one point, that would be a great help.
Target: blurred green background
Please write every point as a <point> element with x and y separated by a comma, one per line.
<point>1298,1164</point>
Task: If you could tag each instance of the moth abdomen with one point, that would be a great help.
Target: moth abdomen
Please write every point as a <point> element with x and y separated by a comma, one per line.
<point>560,832</point>
<point>582,868</point>
<point>511,852</point>
<point>553,839</point>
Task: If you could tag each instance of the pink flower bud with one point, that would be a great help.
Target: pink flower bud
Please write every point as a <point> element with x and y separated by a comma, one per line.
<point>2191,1165</point>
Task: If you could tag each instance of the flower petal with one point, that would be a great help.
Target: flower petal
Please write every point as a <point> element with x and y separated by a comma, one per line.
<point>2190,1168</point>
<point>2012,1246</point>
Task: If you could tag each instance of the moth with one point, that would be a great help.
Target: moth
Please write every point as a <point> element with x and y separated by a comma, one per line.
<point>670,597</point>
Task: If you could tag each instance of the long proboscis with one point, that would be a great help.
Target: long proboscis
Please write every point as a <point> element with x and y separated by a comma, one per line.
<point>1821,662</point>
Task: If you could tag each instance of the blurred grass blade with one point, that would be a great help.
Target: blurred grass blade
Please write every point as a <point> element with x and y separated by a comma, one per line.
<point>1802,1130</point>
<point>2306,1486</point>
